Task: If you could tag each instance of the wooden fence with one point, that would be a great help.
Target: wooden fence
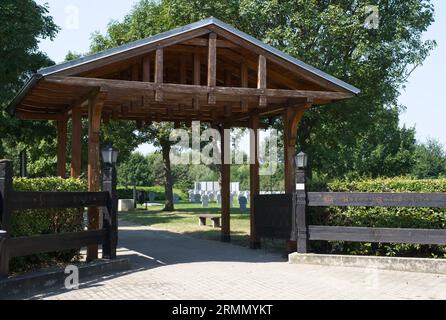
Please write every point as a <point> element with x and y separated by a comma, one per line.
<point>295,222</point>
<point>11,200</point>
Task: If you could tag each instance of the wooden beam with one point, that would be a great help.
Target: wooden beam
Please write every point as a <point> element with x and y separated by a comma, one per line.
<point>159,73</point>
<point>201,42</point>
<point>146,78</point>
<point>212,66</point>
<point>291,120</point>
<point>197,79</point>
<point>76,142</point>
<point>261,80</point>
<point>183,74</point>
<point>94,123</point>
<point>225,184</point>
<point>141,87</point>
<point>62,147</point>
<point>25,115</point>
<point>254,179</point>
<point>244,78</point>
<point>146,69</point>
<point>135,52</point>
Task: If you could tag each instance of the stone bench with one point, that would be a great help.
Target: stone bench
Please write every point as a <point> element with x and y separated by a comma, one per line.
<point>215,218</point>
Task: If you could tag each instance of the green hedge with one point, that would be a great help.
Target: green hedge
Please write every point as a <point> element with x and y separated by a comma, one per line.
<point>383,217</point>
<point>46,221</point>
<point>127,193</point>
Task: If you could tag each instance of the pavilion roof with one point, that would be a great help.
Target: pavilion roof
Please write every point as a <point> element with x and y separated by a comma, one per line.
<point>125,75</point>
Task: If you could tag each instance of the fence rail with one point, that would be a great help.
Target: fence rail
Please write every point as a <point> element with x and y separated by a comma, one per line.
<point>294,222</point>
<point>11,200</point>
<point>375,199</point>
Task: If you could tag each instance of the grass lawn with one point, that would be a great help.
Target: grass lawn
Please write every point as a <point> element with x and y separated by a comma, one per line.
<point>185,220</point>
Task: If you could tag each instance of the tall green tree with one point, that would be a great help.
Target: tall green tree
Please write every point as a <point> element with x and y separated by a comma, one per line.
<point>23,24</point>
<point>429,160</point>
<point>360,135</point>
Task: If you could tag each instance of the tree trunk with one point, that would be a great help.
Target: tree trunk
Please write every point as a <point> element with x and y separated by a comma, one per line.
<point>168,183</point>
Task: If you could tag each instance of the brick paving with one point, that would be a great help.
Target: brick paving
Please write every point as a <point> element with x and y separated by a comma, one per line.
<point>166,265</point>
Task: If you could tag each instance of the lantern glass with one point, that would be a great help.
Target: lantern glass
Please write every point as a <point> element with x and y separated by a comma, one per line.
<point>109,155</point>
<point>301,160</point>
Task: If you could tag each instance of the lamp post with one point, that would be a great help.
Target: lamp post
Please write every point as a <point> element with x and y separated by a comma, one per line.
<point>109,183</point>
<point>300,228</point>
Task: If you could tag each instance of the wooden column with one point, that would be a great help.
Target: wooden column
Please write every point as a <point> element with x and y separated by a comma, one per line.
<point>225,185</point>
<point>94,177</point>
<point>291,119</point>
<point>244,84</point>
<point>261,80</point>
<point>62,147</point>
<point>159,73</point>
<point>212,66</point>
<point>197,78</point>
<point>254,181</point>
<point>76,141</point>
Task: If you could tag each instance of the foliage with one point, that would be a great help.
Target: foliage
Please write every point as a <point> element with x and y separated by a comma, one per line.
<point>46,221</point>
<point>356,137</point>
<point>429,160</point>
<point>424,218</point>
<point>23,23</point>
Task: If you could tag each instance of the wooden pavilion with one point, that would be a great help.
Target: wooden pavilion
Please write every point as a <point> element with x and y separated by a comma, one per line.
<point>207,71</point>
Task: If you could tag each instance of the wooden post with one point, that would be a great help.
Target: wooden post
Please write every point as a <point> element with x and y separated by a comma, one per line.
<point>76,142</point>
<point>6,189</point>
<point>244,83</point>
<point>62,147</point>
<point>197,79</point>
<point>109,183</point>
<point>212,66</point>
<point>94,124</point>
<point>225,184</point>
<point>291,119</point>
<point>261,80</point>
<point>254,181</point>
<point>300,213</point>
<point>159,73</point>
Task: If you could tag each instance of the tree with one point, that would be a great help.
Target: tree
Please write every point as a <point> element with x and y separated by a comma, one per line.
<point>23,24</point>
<point>430,160</point>
<point>360,135</point>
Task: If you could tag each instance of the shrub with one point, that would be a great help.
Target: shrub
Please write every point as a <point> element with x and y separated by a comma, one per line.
<point>423,218</point>
<point>46,221</point>
<point>127,193</point>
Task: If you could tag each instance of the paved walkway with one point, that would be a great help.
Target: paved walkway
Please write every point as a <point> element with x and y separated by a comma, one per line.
<point>172,266</point>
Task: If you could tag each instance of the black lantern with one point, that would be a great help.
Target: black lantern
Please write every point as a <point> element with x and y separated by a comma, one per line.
<point>109,155</point>
<point>301,160</point>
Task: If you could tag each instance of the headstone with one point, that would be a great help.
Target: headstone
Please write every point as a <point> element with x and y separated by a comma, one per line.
<point>176,198</point>
<point>211,197</point>
<point>205,201</point>
<point>197,198</point>
<point>152,196</point>
<point>191,196</point>
<point>219,198</point>
<point>242,202</point>
<point>125,204</point>
<point>247,195</point>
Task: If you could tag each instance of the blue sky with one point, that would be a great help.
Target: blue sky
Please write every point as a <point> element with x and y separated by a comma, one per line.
<point>426,110</point>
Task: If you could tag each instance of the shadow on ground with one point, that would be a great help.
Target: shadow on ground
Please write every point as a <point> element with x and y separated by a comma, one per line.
<point>148,248</point>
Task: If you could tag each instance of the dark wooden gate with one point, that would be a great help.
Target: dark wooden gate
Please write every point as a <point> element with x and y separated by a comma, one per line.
<point>273,216</point>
